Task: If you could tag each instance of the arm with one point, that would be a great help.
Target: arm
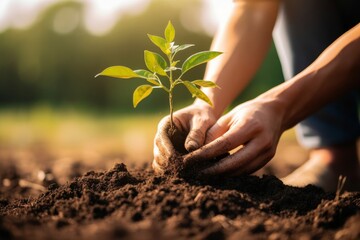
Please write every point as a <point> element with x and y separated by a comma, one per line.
<point>256,125</point>
<point>333,73</point>
<point>244,38</point>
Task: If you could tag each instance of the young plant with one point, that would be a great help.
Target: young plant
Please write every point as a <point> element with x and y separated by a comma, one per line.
<point>159,68</point>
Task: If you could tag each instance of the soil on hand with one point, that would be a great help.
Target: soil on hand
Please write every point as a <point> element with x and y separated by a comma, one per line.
<point>136,204</point>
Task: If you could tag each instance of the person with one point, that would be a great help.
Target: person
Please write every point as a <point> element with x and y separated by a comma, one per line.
<point>318,43</point>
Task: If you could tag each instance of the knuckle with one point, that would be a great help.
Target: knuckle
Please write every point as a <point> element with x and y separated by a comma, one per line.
<point>157,140</point>
<point>196,134</point>
<point>258,126</point>
<point>209,136</point>
<point>267,142</point>
<point>203,121</point>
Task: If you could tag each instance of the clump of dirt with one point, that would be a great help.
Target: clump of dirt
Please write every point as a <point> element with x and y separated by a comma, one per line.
<point>137,204</point>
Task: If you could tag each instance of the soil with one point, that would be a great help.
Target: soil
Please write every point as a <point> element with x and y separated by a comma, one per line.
<point>137,204</point>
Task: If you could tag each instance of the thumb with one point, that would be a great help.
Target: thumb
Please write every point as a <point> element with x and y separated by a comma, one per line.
<point>196,136</point>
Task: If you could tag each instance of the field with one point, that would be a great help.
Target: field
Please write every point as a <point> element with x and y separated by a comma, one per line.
<point>66,174</point>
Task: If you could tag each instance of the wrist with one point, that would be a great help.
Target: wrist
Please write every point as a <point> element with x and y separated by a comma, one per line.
<point>275,102</point>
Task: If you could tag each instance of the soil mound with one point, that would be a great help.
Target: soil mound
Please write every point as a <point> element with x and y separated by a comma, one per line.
<point>122,204</point>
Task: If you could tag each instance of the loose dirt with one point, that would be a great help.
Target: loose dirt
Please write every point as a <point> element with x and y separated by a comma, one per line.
<point>137,204</point>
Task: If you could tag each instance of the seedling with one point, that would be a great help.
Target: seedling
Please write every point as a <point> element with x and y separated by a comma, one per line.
<point>159,68</point>
<point>340,187</point>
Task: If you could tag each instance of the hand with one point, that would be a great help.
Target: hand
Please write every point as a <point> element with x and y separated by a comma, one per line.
<point>253,127</point>
<point>191,124</point>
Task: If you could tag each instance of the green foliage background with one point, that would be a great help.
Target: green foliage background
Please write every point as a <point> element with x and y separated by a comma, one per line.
<point>40,66</point>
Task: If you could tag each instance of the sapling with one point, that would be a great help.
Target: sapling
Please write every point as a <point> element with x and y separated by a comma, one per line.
<point>159,68</point>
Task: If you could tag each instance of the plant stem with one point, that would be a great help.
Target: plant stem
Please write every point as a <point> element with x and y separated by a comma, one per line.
<point>172,125</point>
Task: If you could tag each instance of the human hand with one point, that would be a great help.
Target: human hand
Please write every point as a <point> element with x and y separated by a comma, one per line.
<point>252,128</point>
<point>191,125</point>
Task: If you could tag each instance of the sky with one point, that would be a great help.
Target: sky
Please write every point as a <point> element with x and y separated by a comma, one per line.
<point>100,16</point>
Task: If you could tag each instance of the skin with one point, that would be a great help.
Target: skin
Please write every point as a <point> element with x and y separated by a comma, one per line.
<point>253,128</point>
<point>258,124</point>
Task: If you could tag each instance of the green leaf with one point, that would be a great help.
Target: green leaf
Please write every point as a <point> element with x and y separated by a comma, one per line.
<point>160,43</point>
<point>198,58</point>
<point>155,63</point>
<point>169,32</point>
<point>140,93</point>
<point>195,92</point>
<point>118,72</point>
<point>178,48</point>
<point>204,83</point>
<point>144,74</point>
<point>149,76</point>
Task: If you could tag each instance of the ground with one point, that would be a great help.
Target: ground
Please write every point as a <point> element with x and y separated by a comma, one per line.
<point>51,191</point>
<point>135,203</point>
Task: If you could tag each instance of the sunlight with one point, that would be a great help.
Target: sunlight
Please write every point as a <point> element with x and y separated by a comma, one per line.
<point>21,14</point>
<point>214,11</point>
<point>100,16</point>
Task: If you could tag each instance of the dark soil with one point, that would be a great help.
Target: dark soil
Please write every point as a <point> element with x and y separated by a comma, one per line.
<point>118,204</point>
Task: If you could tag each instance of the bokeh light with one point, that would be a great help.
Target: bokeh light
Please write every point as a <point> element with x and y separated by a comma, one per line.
<point>100,16</point>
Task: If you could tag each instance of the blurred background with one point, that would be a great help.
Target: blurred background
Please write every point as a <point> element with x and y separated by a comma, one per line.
<point>51,106</point>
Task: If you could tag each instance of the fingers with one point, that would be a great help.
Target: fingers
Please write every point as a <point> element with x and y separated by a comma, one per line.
<point>159,162</point>
<point>253,165</point>
<point>219,146</point>
<point>211,150</point>
<point>162,156</point>
<point>217,130</point>
<point>163,147</point>
<point>236,160</point>
<point>191,127</point>
<point>246,160</point>
<point>197,133</point>
<point>194,140</point>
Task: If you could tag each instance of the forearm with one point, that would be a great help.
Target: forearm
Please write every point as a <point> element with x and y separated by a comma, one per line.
<point>336,71</point>
<point>244,38</point>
